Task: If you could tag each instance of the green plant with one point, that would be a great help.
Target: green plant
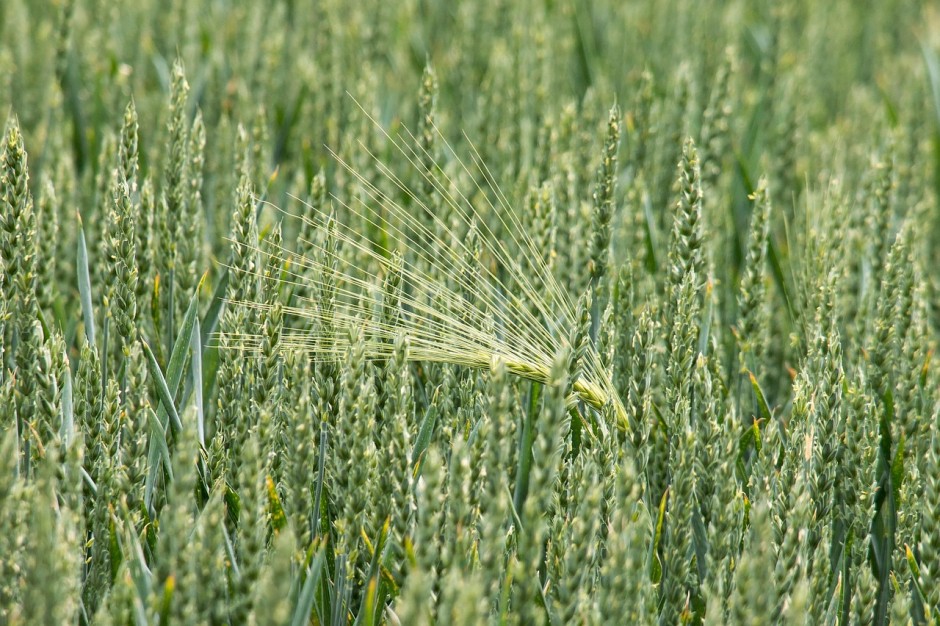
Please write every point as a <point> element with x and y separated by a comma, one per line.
<point>472,312</point>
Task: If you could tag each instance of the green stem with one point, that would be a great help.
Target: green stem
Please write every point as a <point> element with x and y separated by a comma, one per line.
<point>525,446</point>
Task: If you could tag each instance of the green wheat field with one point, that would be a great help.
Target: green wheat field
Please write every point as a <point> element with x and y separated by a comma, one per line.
<point>498,312</point>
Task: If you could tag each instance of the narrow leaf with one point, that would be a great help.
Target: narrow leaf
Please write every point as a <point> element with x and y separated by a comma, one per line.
<point>275,510</point>
<point>308,593</point>
<point>158,438</point>
<point>211,319</point>
<point>525,447</point>
<point>84,285</point>
<point>196,349</point>
<point>656,567</point>
<point>424,437</point>
<point>68,413</point>
<point>915,572</point>
<point>174,370</point>
<point>761,399</point>
<point>174,373</point>
<point>162,389</point>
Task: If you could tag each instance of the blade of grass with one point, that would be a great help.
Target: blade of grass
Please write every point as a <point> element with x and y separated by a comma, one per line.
<point>158,438</point>
<point>163,391</point>
<point>370,601</point>
<point>68,412</point>
<point>318,492</point>
<point>525,446</point>
<point>174,374</point>
<point>761,399</point>
<point>84,285</point>
<point>424,438</point>
<point>196,368</point>
<point>307,595</point>
<point>211,320</point>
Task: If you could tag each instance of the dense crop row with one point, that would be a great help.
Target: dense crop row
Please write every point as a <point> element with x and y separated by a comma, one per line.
<point>469,312</point>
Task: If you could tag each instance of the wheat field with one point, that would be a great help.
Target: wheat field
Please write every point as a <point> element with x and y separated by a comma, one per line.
<point>405,313</point>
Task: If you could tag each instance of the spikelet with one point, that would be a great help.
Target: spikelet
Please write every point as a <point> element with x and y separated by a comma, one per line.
<point>520,315</point>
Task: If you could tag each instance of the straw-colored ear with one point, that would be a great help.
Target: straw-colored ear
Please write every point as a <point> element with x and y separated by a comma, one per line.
<point>468,295</point>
